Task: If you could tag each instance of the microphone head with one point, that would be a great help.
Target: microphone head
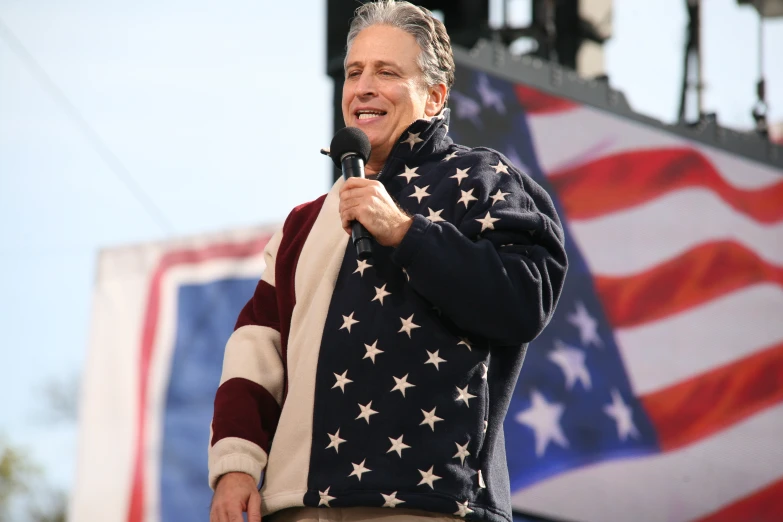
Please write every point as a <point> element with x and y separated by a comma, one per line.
<point>349,140</point>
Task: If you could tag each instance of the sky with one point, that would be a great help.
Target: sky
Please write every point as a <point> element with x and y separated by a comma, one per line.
<point>126,122</point>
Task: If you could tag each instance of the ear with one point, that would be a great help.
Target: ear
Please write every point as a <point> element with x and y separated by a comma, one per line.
<point>436,97</point>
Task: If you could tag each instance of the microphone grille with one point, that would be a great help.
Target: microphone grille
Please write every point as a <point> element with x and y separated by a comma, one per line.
<point>349,140</point>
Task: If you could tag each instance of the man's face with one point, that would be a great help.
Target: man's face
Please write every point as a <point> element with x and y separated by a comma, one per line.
<point>384,89</point>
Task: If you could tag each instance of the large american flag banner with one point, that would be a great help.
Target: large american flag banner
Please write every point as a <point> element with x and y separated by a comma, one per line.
<point>656,393</point>
<point>162,313</point>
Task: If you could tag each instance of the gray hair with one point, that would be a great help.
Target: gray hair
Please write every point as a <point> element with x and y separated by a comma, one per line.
<point>436,59</point>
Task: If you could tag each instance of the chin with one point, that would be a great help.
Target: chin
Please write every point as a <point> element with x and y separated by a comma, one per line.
<point>376,140</point>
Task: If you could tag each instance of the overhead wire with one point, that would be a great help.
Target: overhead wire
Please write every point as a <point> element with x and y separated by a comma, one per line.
<point>97,143</point>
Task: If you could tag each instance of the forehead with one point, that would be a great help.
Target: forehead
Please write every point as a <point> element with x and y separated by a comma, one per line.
<point>383,44</point>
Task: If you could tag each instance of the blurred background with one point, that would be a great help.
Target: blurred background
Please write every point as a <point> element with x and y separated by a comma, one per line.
<point>126,123</point>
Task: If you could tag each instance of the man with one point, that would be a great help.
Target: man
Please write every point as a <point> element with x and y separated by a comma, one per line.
<point>378,388</point>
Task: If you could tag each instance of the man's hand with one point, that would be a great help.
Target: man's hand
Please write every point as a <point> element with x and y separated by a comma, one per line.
<point>235,493</point>
<point>366,201</point>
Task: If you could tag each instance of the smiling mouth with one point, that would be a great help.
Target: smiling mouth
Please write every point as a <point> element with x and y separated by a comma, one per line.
<point>368,115</point>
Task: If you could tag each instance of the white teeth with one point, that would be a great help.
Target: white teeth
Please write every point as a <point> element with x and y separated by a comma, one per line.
<point>366,115</point>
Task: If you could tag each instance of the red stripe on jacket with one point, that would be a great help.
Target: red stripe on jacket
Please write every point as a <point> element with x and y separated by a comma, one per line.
<point>243,408</point>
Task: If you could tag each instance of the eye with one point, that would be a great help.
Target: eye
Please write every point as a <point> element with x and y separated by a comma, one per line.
<point>352,74</point>
<point>387,73</point>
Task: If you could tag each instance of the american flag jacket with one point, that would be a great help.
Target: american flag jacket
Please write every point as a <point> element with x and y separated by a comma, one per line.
<point>385,383</point>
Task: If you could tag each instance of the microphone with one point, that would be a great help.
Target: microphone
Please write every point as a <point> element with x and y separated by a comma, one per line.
<point>350,149</point>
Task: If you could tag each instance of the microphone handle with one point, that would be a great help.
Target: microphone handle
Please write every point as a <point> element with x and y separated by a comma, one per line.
<point>353,167</point>
<point>362,240</point>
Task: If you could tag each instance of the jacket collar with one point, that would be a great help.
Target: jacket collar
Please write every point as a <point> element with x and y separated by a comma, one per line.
<point>420,140</point>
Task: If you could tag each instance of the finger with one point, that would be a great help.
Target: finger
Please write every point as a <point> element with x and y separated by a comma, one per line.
<point>357,182</point>
<point>358,186</point>
<point>353,204</point>
<point>350,184</point>
<point>235,514</point>
<point>345,222</point>
<point>218,513</point>
<point>357,192</point>
<point>254,508</point>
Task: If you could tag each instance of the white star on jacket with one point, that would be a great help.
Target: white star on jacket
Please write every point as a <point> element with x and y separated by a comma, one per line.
<point>500,167</point>
<point>450,156</point>
<point>460,175</point>
<point>391,501</point>
<point>402,384</point>
<point>420,193</point>
<point>428,477</point>
<point>466,342</point>
<point>464,396</point>
<point>397,445</point>
<point>325,498</point>
<point>430,418</point>
<point>544,419</point>
<point>466,197</point>
<point>499,196</point>
<point>622,415</point>
<point>463,509</point>
<point>342,380</point>
<point>587,325</point>
<point>372,351</point>
<point>380,293</point>
<point>348,321</point>
<point>408,325</point>
<point>487,222</point>
<point>572,363</point>
<point>413,139</point>
<point>367,411</point>
<point>434,359</point>
<point>359,470</point>
<point>409,174</point>
<point>462,452</point>
<point>361,267</point>
<point>335,441</point>
<point>435,216</point>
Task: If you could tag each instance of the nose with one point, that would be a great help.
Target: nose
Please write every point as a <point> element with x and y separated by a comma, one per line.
<point>366,87</point>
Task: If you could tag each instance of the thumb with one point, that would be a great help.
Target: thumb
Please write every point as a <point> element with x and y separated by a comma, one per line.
<point>254,507</point>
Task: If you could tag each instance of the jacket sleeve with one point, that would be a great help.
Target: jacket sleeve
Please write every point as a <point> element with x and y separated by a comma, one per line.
<point>498,271</point>
<point>249,397</point>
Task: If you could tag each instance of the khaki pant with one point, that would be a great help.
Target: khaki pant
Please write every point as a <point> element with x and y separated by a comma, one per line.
<point>356,514</point>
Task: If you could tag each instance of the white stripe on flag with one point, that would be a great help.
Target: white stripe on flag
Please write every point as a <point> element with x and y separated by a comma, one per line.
<point>679,485</point>
<point>662,353</point>
<point>630,241</point>
<point>561,142</point>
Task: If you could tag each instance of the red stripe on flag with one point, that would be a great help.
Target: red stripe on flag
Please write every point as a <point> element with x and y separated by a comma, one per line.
<point>765,505</point>
<point>713,401</point>
<point>539,102</point>
<point>624,180</point>
<point>167,262</point>
<point>703,273</point>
